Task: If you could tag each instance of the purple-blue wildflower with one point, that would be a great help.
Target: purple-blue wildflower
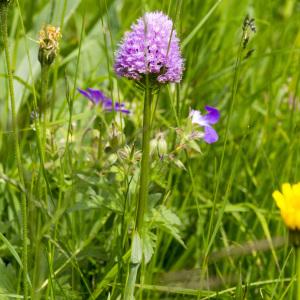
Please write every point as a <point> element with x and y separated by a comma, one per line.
<point>151,47</point>
<point>212,117</point>
<point>97,96</point>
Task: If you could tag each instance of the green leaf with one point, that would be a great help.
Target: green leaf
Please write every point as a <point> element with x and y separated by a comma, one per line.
<point>136,251</point>
<point>148,242</point>
<point>107,198</point>
<point>167,221</point>
<point>154,199</point>
<point>7,280</point>
<point>194,146</point>
<point>11,249</point>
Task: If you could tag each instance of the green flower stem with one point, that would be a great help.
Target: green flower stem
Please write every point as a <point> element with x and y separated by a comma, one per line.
<point>3,18</point>
<point>143,191</point>
<point>43,102</point>
<point>144,177</point>
<point>298,272</point>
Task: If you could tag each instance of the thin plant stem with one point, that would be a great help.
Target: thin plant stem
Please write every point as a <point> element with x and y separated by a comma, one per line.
<point>35,107</point>
<point>143,191</point>
<point>43,102</point>
<point>230,112</point>
<point>3,18</point>
<point>298,272</point>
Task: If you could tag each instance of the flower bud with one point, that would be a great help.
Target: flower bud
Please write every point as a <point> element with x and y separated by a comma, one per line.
<point>49,44</point>
<point>162,146</point>
<point>158,145</point>
<point>130,155</point>
<point>153,146</point>
<point>116,138</point>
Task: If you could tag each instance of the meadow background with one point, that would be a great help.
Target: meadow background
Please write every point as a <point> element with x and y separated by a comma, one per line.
<point>228,241</point>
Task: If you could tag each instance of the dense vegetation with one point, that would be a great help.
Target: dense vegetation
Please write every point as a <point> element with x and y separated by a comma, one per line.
<point>211,228</point>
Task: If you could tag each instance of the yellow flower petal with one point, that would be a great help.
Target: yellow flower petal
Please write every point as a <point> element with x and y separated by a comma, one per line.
<point>289,204</point>
<point>297,219</point>
<point>279,199</point>
<point>287,190</point>
<point>296,189</point>
<point>289,220</point>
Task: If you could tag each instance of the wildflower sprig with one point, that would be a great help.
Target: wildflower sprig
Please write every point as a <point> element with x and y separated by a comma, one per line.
<point>150,55</point>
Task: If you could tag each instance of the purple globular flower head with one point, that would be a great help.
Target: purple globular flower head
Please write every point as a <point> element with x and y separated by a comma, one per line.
<point>97,97</point>
<point>151,47</point>
<point>212,117</point>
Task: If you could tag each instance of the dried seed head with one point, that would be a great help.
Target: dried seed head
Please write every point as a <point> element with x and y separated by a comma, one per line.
<point>49,44</point>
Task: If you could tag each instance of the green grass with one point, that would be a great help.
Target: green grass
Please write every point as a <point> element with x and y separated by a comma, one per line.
<point>214,229</point>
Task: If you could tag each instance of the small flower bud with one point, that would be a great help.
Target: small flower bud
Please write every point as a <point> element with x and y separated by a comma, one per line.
<point>153,146</point>
<point>162,146</point>
<point>49,44</point>
<point>116,138</point>
<point>124,154</point>
<point>130,155</point>
<point>158,145</point>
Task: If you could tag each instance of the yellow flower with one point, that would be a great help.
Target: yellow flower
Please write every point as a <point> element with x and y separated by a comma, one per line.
<point>289,204</point>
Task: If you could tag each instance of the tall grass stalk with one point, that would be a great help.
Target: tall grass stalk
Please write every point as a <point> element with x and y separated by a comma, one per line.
<point>3,18</point>
<point>211,233</point>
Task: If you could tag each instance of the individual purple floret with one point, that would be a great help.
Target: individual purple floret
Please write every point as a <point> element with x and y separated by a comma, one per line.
<point>151,47</point>
<point>97,96</point>
<point>212,117</point>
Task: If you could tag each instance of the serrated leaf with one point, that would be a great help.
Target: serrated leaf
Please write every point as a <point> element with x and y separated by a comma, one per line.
<point>107,198</point>
<point>7,279</point>
<point>167,221</point>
